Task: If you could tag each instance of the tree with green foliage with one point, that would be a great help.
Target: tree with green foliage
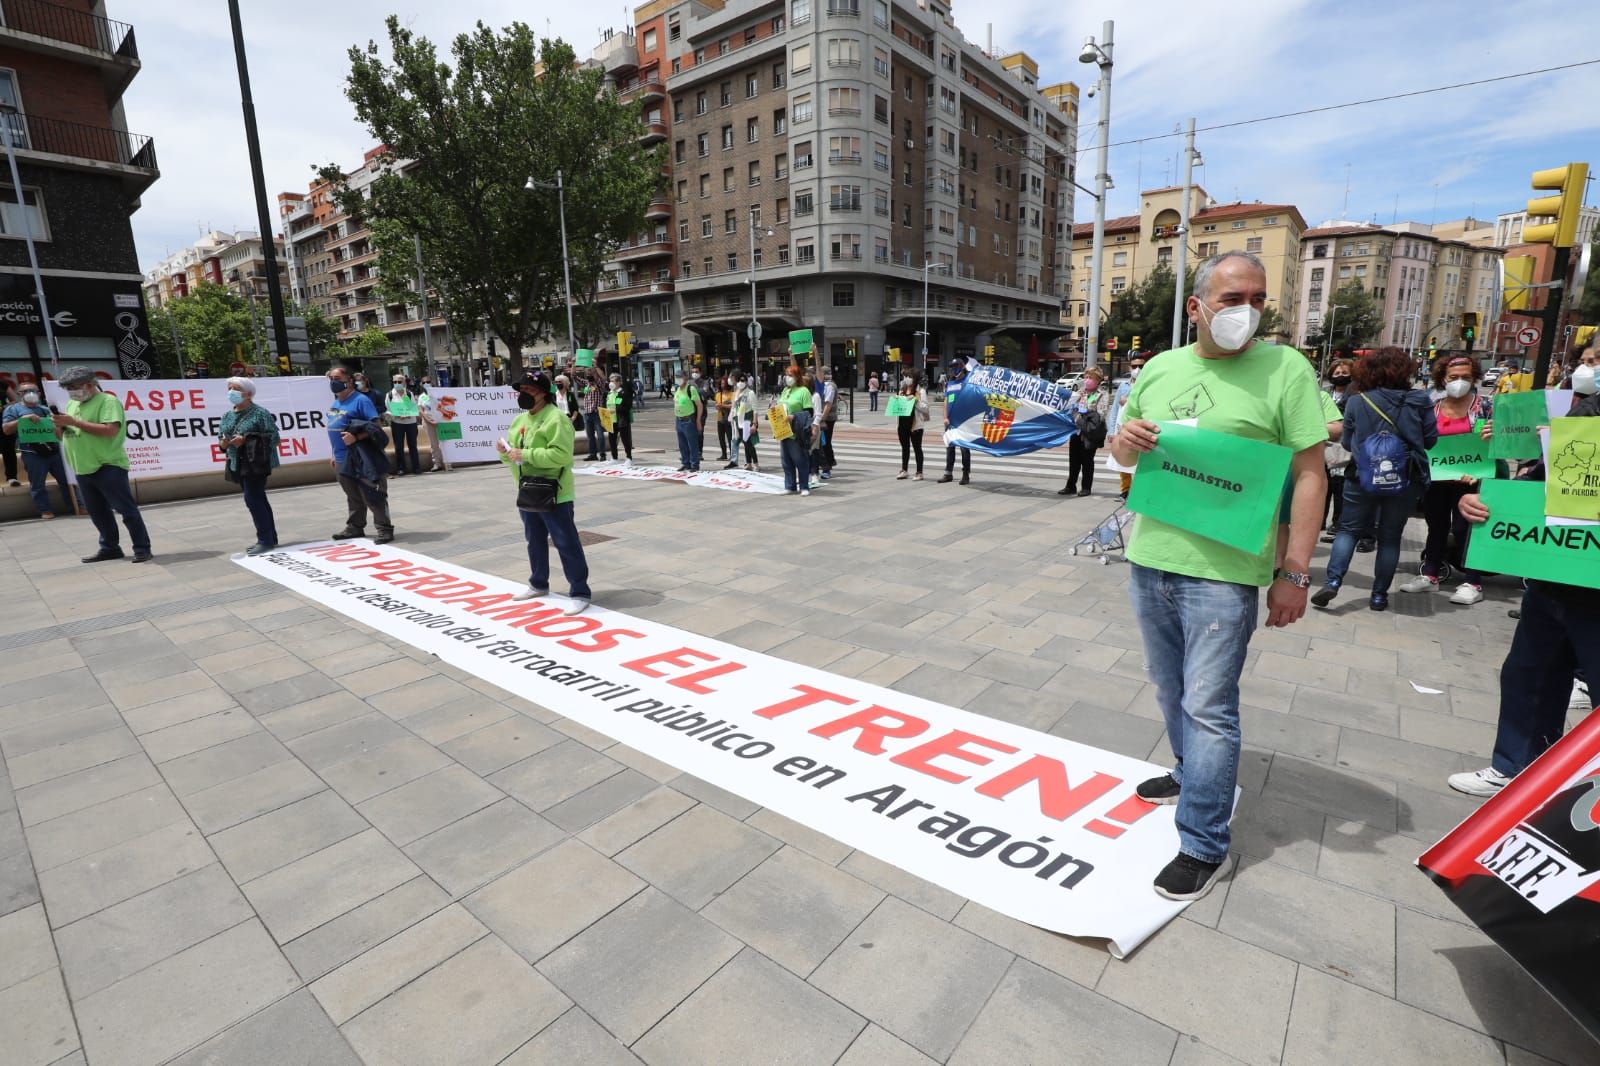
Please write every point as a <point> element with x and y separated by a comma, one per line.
<point>464,139</point>
<point>1356,324</point>
<point>213,326</point>
<point>368,344</point>
<point>321,330</point>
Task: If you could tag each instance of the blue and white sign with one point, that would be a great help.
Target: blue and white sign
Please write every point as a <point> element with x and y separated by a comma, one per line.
<point>1004,412</point>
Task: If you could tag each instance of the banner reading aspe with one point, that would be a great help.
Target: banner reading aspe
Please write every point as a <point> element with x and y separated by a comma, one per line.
<point>1031,825</point>
<point>1526,869</point>
<point>174,425</point>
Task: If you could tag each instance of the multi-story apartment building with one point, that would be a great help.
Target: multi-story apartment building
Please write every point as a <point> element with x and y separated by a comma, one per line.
<point>235,261</point>
<point>1423,283</point>
<point>63,68</point>
<point>1508,227</point>
<point>1137,244</point>
<point>827,158</point>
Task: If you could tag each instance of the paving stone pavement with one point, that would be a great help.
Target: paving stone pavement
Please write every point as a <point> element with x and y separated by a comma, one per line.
<point>237,828</point>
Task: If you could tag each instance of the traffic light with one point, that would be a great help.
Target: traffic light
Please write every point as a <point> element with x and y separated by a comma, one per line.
<point>988,354</point>
<point>850,347</point>
<point>1135,345</point>
<point>624,345</point>
<point>283,364</point>
<point>1469,325</point>
<point>894,355</point>
<point>1561,209</point>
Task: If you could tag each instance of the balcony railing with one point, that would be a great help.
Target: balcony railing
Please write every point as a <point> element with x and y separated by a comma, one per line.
<point>736,306</point>
<point>69,25</point>
<point>30,132</point>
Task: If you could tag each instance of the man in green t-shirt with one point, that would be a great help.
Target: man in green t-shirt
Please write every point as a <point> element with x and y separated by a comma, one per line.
<point>92,436</point>
<point>1196,598</point>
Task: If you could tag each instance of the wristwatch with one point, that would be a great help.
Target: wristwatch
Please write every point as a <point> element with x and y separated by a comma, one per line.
<point>1298,580</point>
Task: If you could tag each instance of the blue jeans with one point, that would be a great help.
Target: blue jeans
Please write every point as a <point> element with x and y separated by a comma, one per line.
<point>796,463</point>
<point>688,442</point>
<point>1558,633</point>
<point>254,490</point>
<point>591,429</point>
<point>560,526</point>
<point>1196,633</point>
<point>106,491</point>
<point>40,469</point>
<point>874,397</point>
<point>1363,510</point>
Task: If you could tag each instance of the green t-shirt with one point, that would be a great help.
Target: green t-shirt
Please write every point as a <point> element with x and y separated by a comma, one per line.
<point>683,401</point>
<point>86,452</point>
<point>1267,393</point>
<point>545,440</point>
<point>795,398</point>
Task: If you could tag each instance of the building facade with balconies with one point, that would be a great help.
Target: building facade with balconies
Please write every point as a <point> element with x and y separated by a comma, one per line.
<point>63,68</point>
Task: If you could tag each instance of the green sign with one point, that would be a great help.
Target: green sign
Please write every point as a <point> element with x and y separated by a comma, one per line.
<point>800,342</point>
<point>584,357</point>
<point>449,430</point>
<point>1517,418</point>
<point>900,406</point>
<point>1222,487</point>
<point>1572,473</point>
<point>403,407</point>
<point>1517,540</point>
<point>1461,455</point>
<point>40,432</point>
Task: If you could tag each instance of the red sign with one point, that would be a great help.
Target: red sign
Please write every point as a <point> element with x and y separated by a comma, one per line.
<point>1528,335</point>
<point>236,368</point>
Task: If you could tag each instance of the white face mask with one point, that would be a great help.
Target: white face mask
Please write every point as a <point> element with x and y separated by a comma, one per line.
<point>80,394</point>
<point>1457,388</point>
<point>788,379</point>
<point>1133,375</point>
<point>30,398</point>
<point>1584,382</point>
<point>697,375</point>
<point>1232,327</point>
<point>905,383</point>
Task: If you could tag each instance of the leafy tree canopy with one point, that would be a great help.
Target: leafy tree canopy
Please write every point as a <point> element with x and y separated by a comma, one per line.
<point>1356,324</point>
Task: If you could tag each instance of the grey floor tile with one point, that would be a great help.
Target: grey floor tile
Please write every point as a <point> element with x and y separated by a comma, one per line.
<point>1081,961</point>
<point>544,903</point>
<point>599,800</point>
<point>96,881</point>
<point>302,717</point>
<point>734,806</point>
<point>104,825</point>
<point>636,820</point>
<point>698,855</point>
<point>74,792</point>
<point>439,725</point>
<point>878,1047</point>
<point>375,771</point>
<point>817,845</point>
<point>26,949</point>
<point>956,973</point>
<point>407,955</point>
<point>287,692</point>
<point>36,1025</point>
<point>494,747</point>
<point>225,762</point>
<point>174,741</point>
<point>61,727</point>
<point>909,887</point>
<point>240,800</point>
<point>294,899</point>
<point>1382,864</point>
<point>292,1032</point>
<point>477,1006</point>
<point>420,807</point>
<point>1331,1016</point>
<point>336,942</point>
<point>794,909</point>
<point>1335,792</point>
<point>546,778</point>
<point>290,832</point>
<point>752,1010</point>
<point>573,1038</point>
<point>469,852</point>
<point>638,962</point>
<point>71,756</point>
<point>322,748</point>
<point>1037,1016</point>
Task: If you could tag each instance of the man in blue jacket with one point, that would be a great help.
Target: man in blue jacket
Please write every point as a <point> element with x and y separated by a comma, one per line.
<point>363,470</point>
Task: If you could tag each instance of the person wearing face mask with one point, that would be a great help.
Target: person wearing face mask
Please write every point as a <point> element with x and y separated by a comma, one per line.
<point>1196,599</point>
<point>705,392</point>
<point>687,409</point>
<point>375,395</point>
<point>1091,410</point>
<point>539,444</point>
<point>92,432</point>
<point>827,391</point>
<point>429,416</point>
<point>952,386</point>
<point>1457,409</point>
<point>796,399</point>
<point>249,433</point>
<point>1586,383</point>
<point>357,439</point>
<point>41,458</point>
<point>1135,365</point>
<point>725,441</point>
<point>619,401</point>
<point>403,415</point>
<point>1339,461</point>
<point>911,426</point>
<point>8,446</point>
<point>742,412</point>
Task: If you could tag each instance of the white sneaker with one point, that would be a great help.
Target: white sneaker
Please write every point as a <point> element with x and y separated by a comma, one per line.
<point>1420,583</point>
<point>805,492</point>
<point>577,606</point>
<point>1466,595</point>
<point>1580,699</point>
<point>628,461</point>
<point>1485,782</point>
<point>531,593</point>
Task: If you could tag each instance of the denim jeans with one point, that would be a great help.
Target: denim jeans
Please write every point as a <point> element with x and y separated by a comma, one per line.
<point>872,394</point>
<point>560,526</point>
<point>796,464</point>
<point>592,432</point>
<point>1558,632</point>
<point>40,469</point>
<point>254,490</point>
<point>1195,636</point>
<point>688,442</point>
<point>1361,511</point>
<point>106,491</point>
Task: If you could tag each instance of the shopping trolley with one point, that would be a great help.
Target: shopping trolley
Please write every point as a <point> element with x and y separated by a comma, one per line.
<point>1107,537</point>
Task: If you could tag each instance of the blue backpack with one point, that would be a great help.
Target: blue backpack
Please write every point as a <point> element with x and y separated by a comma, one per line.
<point>1383,461</point>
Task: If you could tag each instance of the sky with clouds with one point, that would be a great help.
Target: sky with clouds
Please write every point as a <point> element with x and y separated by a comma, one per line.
<point>1440,156</point>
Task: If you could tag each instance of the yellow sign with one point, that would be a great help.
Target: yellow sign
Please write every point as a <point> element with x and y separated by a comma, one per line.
<point>605,419</point>
<point>778,419</point>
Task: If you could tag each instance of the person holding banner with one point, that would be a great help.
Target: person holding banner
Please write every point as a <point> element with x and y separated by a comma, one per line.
<point>93,431</point>
<point>539,445</point>
<point>1460,409</point>
<point>743,411</point>
<point>958,374</point>
<point>911,403</point>
<point>619,403</point>
<point>1091,414</point>
<point>1195,597</point>
<point>250,435</point>
<point>795,400</point>
<point>32,426</point>
<point>430,425</point>
<point>403,413</point>
<point>687,408</point>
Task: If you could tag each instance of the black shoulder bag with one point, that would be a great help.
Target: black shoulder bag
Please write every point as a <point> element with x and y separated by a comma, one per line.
<point>537,494</point>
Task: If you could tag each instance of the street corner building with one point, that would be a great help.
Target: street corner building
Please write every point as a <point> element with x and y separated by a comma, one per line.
<point>64,66</point>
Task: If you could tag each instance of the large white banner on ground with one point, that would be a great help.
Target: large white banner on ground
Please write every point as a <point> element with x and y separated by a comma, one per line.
<point>729,480</point>
<point>173,425</point>
<point>1031,825</point>
<point>469,421</point>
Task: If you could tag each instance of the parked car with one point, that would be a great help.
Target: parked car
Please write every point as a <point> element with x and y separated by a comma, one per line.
<point>1070,381</point>
<point>1491,377</point>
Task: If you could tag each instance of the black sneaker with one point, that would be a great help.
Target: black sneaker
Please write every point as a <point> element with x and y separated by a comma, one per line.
<point>1366,544</point>
<point>1324,596</point>
<point>1186,878</point>
<point>1162,790</point>
<point>965,479</point>
<point>142,557</point>
<point>349,534</point>
<point>384,538</point>
<point>103,554</point>
<point>947,477</point>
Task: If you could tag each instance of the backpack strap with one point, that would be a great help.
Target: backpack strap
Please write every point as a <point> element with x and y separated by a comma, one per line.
<point>1380,411</point>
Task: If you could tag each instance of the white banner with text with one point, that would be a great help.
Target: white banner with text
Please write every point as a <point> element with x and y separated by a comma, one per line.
<point>729,480</point>
<point>469,421</point>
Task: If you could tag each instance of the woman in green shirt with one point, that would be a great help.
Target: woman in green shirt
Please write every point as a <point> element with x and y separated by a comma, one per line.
<point>539,444</point>
<point>744,424</point>
<point>619,401</point>
<point>242,422</point>
<point>795,398</point>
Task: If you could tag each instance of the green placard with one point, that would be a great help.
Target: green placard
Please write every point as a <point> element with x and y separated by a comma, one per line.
<point>900,406</point>
<point>449,430</point>
<point>1517,418</point>
<point>800,342</point>
<point>1461,455</point>
<point>1222,487</point>
<point>583,357</point>
<point>1517,540</point>
<point>40,432</point>
<point>404,407</point>
<point>1572,476</point>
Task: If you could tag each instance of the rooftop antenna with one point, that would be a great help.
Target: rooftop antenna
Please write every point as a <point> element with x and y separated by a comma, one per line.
<point>1435,216</point>
<point>1344,212</point>
<point>1395,215</point>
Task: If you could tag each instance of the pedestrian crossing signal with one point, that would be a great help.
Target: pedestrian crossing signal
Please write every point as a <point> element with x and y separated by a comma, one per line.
<point>1135,345</point>
<point>283,364</point>
<point>988,354</point>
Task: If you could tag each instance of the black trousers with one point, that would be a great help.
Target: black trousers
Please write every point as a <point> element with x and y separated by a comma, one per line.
<point>8,449</point>
<point>910,439</point>
<point>405,443</point>
<point>625,430</point>
<point>950,460</point>
<point>724,437</point>
<point>1080,460</point>
<point>828,458</point>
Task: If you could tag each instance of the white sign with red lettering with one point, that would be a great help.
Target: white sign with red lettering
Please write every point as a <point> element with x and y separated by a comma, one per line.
<point>1031,825</point>
<point>728,480</point>
<point>1528,335</point>
<point>173,426</point>
<point>469,421</point>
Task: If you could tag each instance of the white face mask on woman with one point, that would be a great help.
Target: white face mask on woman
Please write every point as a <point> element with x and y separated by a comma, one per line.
<point>1585,381</point>
<point>1457,388</point>
<point>788,379</point>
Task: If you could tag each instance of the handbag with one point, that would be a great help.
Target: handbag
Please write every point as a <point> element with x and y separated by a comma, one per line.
<point>537,494</point>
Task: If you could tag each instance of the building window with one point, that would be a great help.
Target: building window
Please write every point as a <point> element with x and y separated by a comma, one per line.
<point>700,102</point>
<point>844,197</point>
<point>778,79</point>
<point>783,252</point>
<point>754,175</point>
<point>1270,220</point>
<point>846,246</point>
<point>880,110</point>
<point>683,230</point>
<point>756,259</point>
<point>844,8</point>
<point>880,249</point>
<point>703,144</point>
<point>780,166</point>
<point>677,152</point>
<point>844,101</point>
<point>1118,283</point>
<point>844,149</point>
<point>803,202</point>
<point>705,226</point>
<point>727,138</point>
<point>800,57</point>
<point>800,12</point>
<point>1239,223</point>
<point>677,65</point>
<point>1119,259</point>
<point>880,12</point>
<point>674,31</point>
<point>25,221</point>
<point>727,179</point>
<point>805,250</point>
<point>780,122</point>
<point>733,261</point>
<point>752,85</point>
<point>802,155</point>
<point>1252,244</point>
<point>880,62</point>
<point>730,221</point>
<point>650,40</point>
<point>752,130</point>
<point>705,185</point>
<point>844,294</point>
<point>723,46</point>
<point>802,107</point>
<point>844,52</point>
<point>725,94</point>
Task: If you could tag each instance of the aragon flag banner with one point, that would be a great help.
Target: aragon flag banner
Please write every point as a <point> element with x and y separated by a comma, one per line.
<point>1005,412</point>
<point>1526,869</point>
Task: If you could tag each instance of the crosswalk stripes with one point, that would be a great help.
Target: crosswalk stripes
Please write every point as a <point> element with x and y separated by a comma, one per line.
<point>1050,465</point>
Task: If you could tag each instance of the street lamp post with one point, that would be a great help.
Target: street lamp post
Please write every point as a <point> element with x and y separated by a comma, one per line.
<point>1100,56</point>
<point>1190,158</point>
<point>927,265</point>
<point>13,124</point>
<point>1327,336</point>
<point>755,324</point>
<point>566,271</point>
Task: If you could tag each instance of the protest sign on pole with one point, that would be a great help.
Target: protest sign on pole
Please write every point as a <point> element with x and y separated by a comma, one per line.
<point>1006,412</point>
<point>1459,455</point>
<point>1518,540</point>
<point>1572,478</point>
<point>1225,488</point>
